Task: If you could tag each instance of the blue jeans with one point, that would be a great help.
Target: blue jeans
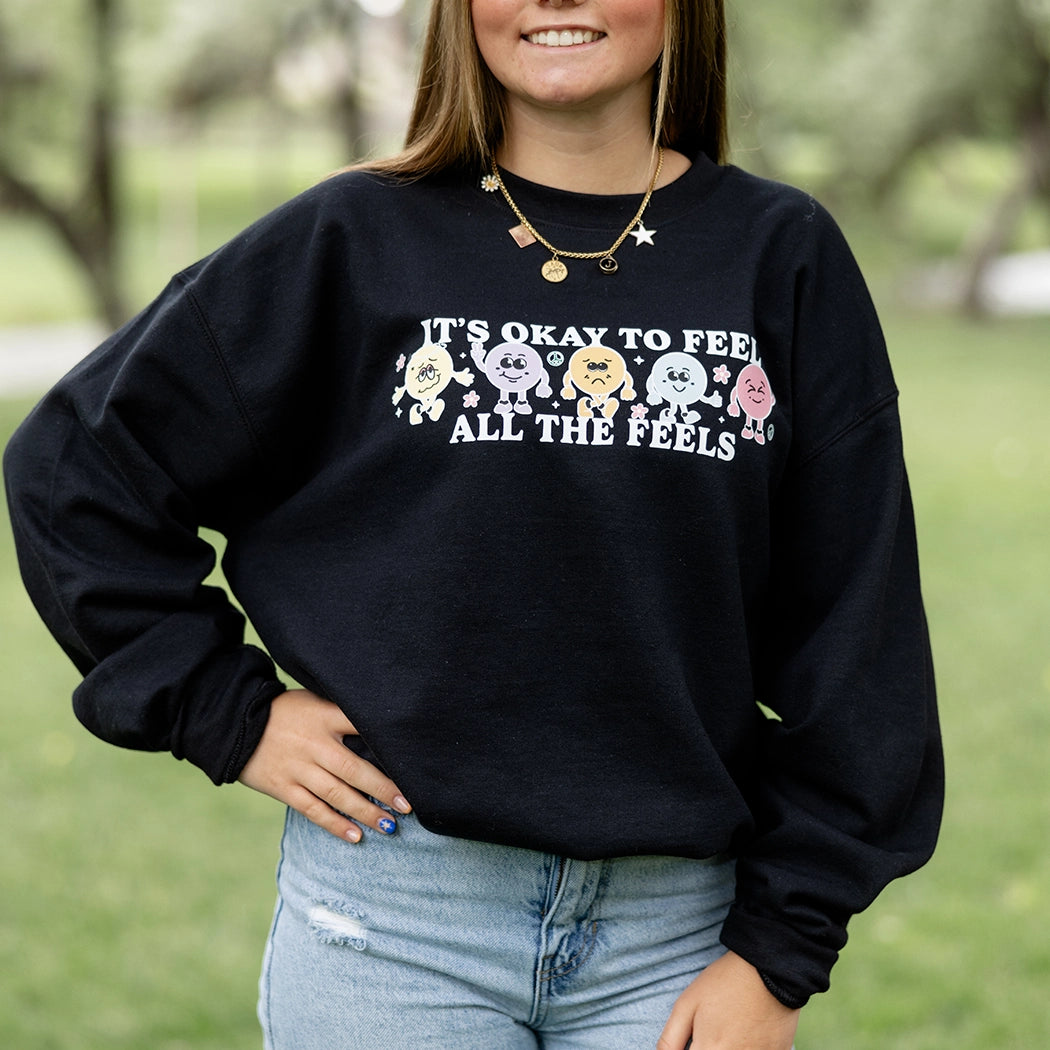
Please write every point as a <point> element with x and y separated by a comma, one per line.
<point>425,941</point>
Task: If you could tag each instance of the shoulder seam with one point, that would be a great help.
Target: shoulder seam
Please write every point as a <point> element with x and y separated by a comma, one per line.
<point>216,349</point>
<point>859,420</point>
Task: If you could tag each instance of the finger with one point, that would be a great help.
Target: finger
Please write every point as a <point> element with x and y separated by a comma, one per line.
<point>350,802</point>
<point>320,813</point>
<point>359,773</point>
<point>677,1032</point>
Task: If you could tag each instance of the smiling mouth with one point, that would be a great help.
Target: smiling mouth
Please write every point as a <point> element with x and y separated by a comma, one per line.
<point>564,37</point>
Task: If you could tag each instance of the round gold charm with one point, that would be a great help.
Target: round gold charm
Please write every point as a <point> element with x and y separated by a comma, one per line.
<point>607,264</point>
<point>555,271</point>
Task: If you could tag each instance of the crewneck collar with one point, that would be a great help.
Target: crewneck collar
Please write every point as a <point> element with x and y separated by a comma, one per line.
<point>586,211</point>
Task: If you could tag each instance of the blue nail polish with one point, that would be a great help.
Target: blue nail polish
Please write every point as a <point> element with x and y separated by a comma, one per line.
<point>387,826</point>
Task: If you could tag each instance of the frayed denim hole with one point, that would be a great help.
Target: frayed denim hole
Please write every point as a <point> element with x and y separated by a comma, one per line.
<point>335,924</point>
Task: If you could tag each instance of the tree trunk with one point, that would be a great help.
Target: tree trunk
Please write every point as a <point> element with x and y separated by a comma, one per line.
<point>88,225</point>
<point>104,227</point>
<point>1034,181</point>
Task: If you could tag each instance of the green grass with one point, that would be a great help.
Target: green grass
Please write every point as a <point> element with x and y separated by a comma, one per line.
<point>136,897</point>
<point>957,956</point>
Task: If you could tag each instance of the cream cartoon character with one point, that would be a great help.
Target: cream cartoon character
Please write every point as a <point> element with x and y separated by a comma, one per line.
<point>597,372</point>
<point>753,395</point>
<point>427,372</point>
<point>513,369</point>
<point>680,380</point>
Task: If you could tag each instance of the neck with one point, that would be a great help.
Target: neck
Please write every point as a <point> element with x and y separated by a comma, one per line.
<point>604,156</point>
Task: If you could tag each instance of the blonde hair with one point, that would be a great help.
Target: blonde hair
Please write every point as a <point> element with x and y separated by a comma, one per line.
<point>457,119</point>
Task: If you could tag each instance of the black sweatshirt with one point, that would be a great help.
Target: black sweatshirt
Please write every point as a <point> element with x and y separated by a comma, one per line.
<point>549,546</point>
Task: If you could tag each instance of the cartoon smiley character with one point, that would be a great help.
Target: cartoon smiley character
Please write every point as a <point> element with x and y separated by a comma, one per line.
<point>680,380</point>
<point>427,372</point>
<point>752,395</point>
<point>513,368</point>
<point>598,373</point>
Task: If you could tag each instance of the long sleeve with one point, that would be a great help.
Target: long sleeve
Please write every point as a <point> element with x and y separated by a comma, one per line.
<point>850,786</point>
<point>850,792</point>
<point>108,481</point>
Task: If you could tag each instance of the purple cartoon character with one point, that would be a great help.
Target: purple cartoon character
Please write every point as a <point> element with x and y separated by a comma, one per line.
<point>513,369</point>
<point>753,395</point>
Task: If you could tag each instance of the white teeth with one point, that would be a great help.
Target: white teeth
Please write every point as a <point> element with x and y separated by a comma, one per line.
<point>564,38</point>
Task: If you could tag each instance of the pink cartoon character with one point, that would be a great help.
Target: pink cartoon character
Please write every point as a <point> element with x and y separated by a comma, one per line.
<point>513,369</point>
<point>753,395</point>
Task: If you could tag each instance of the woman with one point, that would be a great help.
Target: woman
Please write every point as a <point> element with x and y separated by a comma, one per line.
<point>658,688</point>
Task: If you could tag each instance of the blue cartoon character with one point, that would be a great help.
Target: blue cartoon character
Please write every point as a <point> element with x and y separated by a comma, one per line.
<point>513,369</point>
<point>752,395</point>
<point>680,380</point>
<point>597,372</point>
<point>427,372</point>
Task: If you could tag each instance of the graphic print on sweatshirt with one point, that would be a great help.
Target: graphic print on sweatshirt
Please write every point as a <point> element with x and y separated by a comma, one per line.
<point>572,385</point>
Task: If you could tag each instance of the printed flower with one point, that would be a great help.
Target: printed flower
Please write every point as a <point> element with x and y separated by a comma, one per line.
<point>639,412</point>
<point>721,374</point>
<point>401,362</point>
<point>471,400</point>
<point>489,183</point>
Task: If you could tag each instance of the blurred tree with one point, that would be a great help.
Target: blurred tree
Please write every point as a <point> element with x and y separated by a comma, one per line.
<point>890,82</point>
<point>58,156</point>
<point>337,60</point>
<point>72,70</point>
<point>852,92</point>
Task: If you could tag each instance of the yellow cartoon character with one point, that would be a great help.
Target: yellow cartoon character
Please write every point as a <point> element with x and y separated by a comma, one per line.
<point>427,372</point>
<point>598,372</point>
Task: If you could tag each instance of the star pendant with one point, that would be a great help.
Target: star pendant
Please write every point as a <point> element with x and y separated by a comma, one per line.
<point>641,235</point>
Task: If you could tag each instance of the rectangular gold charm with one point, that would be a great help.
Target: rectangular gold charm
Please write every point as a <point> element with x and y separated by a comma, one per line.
<point>521,236</point>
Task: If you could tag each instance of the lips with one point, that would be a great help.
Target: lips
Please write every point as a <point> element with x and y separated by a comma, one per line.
<point>563,37</point>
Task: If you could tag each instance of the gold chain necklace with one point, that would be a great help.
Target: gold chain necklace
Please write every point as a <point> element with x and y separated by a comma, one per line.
<point>554,270</point>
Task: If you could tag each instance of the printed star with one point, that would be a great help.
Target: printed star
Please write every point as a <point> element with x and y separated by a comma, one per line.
<point>641,235</point>
<point>639,360</point>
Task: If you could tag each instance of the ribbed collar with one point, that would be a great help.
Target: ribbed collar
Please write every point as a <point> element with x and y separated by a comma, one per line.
<point>585,212</point>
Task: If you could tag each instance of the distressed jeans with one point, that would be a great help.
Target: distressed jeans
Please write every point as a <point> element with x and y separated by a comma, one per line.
<point>424,941</point>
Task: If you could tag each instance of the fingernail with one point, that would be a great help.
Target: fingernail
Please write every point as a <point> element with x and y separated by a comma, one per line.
<point>387,826</point>
<point>353,835</point>
<point>401,804</point>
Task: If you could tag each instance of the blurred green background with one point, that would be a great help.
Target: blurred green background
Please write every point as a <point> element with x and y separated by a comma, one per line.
<point>135,135</point>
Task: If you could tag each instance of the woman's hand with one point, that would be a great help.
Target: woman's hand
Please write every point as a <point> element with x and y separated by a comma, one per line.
<point>303,762</point>
<point>728,1007</point>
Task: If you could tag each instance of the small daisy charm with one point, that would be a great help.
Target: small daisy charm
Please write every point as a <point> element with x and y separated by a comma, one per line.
<point>489,183</point>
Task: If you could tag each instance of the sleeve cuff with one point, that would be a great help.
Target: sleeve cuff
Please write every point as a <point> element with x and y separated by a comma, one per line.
<point>782,995</point>
<point>793,967</point>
